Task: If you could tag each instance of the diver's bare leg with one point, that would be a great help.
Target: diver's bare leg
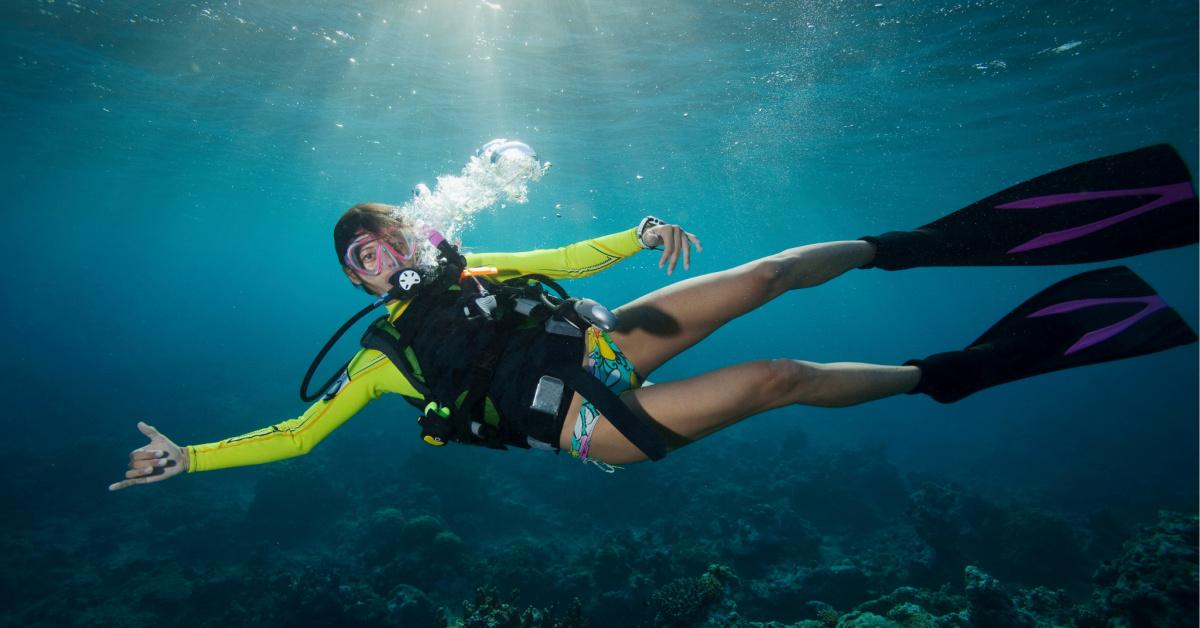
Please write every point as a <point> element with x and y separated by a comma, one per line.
<point>658,326</point>
<point>690,409</point>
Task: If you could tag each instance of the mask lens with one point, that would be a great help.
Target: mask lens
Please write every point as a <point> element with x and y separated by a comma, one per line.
<point>370,254</point>
<point>364,255</point>
<point>400,245</point>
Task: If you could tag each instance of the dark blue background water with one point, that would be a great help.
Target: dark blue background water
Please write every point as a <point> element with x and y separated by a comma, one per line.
<point>173,173</point>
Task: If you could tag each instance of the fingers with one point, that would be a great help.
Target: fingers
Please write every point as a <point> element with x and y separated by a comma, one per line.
<point>685,241</point>
<point>670,243</point>
<point>143,471</point>
<point>676,238</point>
<point>141,459</point>
<point>116,486</point>
<point>146,466</point>
<point>147,430</point>
<point>146,454</point>
<point>143,466</point>
<point>676,243</point>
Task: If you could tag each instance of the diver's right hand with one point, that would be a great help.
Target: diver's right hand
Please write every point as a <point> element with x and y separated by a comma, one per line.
<point>158,460</point>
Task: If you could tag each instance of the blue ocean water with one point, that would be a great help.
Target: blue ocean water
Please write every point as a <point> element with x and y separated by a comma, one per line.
<point>174,172</point>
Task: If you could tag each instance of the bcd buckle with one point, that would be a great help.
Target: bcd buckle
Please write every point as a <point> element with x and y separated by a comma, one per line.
<point>435,425</point>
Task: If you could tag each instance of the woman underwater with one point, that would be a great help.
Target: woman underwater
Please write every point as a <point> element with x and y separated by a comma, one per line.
<point>494,358</point>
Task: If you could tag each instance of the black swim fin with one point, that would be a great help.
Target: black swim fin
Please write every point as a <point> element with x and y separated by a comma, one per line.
<point>1104,209</point>
<point>1097,316</point>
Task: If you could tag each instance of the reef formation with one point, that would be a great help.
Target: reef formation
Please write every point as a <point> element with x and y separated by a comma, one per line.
<point>839,540</point>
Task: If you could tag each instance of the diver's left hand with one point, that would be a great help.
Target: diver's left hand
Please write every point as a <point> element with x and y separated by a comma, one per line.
<point>674,241</point>
<point>155,461</point>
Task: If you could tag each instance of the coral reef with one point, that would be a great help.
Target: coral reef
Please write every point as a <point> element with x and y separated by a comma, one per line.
<point>1018,543</point>
<point>681,601</point>
<point>830,541</point>
<point>488,610</point>
<point>1153,581</point>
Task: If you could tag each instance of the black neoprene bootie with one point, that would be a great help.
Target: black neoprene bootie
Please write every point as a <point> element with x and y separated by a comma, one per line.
<point>954,375</point>
<point>899,250</point>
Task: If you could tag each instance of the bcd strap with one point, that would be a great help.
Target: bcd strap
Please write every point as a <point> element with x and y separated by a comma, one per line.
<point>636,429</point>
<point>384,338</point>
<point>544,280</point>
<point>480,383</point>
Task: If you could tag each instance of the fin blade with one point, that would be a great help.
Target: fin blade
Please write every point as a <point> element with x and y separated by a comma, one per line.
<point>1107,208</point>
<point>1093,317</point>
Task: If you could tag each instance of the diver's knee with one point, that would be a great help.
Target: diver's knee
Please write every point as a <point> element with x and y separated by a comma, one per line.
<point>785,381</point>
<point>771,275</point>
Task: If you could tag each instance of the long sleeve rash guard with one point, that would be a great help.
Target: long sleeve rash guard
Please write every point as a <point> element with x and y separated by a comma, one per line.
<point>370,374</point>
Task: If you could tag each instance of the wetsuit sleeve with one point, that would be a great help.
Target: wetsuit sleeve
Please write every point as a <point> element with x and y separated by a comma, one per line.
<point>569,262</point>
<point>370,374</point>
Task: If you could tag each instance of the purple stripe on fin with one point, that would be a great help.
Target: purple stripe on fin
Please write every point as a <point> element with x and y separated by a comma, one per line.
<point>1153,303</point>
<point>1167,194</point>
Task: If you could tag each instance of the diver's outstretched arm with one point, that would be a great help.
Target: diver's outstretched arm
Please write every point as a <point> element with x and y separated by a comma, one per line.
<point>695,407</point>
<point>657,327</point>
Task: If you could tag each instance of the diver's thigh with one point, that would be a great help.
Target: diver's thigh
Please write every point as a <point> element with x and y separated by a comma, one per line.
<point>689,409</point>
<point>607,444</point>
<point>660,325</point>
<point>568,427</point>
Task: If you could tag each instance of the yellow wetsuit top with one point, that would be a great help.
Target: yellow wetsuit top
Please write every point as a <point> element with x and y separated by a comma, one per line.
<point>370,373</point>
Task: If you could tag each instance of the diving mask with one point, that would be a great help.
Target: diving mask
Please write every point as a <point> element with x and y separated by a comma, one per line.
<point>371,254</point>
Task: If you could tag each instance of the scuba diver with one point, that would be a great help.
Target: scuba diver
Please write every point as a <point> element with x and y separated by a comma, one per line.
<point>493,352</point>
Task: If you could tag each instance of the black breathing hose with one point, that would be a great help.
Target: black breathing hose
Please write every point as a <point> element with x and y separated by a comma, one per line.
<point>312,368</point>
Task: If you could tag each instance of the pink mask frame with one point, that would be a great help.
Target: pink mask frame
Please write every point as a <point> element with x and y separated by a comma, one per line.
<point>382,247</point>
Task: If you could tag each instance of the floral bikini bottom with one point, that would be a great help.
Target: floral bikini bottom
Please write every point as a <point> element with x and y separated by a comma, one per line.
<point>609,365</point>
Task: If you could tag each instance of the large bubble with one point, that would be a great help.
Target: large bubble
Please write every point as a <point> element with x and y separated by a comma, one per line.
<point>489,177</point>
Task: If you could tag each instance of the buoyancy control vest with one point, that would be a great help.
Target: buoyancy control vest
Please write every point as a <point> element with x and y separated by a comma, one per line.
<point>493,360</point>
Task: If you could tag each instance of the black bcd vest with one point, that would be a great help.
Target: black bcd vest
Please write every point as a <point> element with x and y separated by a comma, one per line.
<point>478,368</point>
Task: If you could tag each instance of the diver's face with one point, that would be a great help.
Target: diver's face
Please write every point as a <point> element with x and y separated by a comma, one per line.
<point>372,259</point>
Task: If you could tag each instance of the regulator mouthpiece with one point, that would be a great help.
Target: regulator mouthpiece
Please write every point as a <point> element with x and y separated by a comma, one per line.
<point>406,281</point>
